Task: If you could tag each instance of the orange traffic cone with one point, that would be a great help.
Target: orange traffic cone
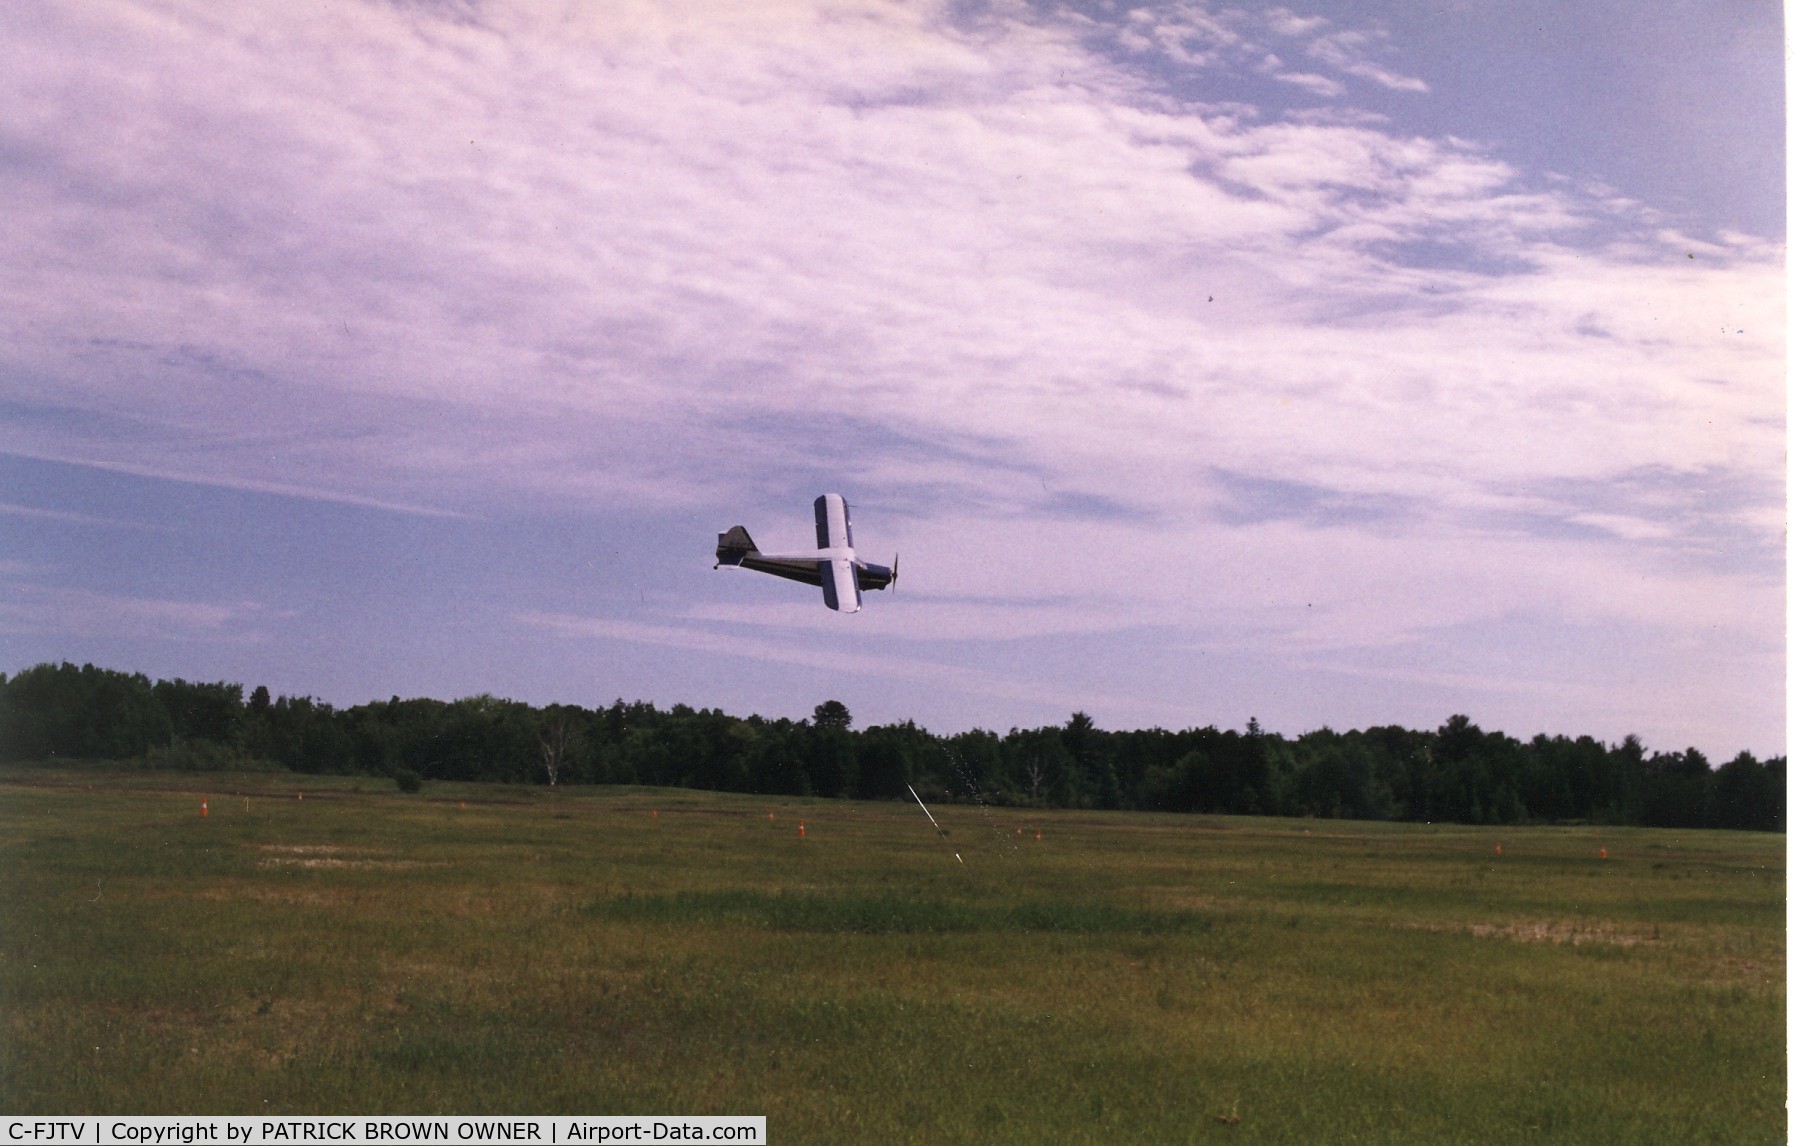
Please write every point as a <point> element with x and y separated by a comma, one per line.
<point>800,829</point>
<point>1604,853</point>
<point>1498,849</point>
<point>202,808</point>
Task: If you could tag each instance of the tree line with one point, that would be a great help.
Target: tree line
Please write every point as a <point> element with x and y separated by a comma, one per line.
<point>1456,773</point>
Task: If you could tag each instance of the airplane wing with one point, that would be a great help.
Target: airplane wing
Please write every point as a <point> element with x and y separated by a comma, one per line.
<point>841,582</point>
<point>832,528</point>
<point>841,589</point>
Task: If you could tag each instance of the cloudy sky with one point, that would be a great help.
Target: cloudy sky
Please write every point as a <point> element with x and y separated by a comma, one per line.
<point>1348,363</point>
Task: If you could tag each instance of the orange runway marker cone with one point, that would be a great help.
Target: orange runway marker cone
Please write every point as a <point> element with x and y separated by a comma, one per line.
<point>202,809</point>
<point>1604,853</point>
<point>800,829</point>
<point>1498,849</point>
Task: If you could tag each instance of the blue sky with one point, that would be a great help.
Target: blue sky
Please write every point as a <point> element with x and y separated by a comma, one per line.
<point>1344,364</point>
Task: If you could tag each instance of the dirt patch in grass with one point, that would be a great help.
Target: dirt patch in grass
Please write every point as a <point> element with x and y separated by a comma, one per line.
<point>329,855</point>
<point>1557,931</point>
<point>281,896</point>
<point>332,861</point>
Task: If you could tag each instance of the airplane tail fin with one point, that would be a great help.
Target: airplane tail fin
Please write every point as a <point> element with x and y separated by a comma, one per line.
<point>734,546</point>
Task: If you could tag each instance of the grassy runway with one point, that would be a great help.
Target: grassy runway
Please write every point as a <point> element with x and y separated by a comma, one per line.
<point>1123,978</point>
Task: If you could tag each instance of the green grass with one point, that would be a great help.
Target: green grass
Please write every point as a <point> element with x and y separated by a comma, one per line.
<point>1125,977</point>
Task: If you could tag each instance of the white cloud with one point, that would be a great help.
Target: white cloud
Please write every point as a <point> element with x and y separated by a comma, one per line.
<point>682,255</point>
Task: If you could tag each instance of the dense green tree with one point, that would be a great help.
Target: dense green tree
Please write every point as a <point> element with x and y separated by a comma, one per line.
<point>889,758</point>
<point>832,714</point>
<point>969,764</point>
<point>1095,762</point>
<point>203,711</point>
<point>1339,776</point>
<point>829,758</point>
<point>1457,772</point>
<point>1742,796</point>
<point>51,711</point>
<point>1674,790</point>
<point>1175,786</point>
<point>776,763</point>
<point>1774,817</point>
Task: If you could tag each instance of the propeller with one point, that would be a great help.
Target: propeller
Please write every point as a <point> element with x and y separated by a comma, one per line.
<point>894,559</point>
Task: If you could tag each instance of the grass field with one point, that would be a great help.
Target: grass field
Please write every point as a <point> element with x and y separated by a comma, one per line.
<point>1123,978</point>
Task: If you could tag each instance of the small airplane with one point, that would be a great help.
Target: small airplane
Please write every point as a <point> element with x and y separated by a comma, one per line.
<point>831,564</point>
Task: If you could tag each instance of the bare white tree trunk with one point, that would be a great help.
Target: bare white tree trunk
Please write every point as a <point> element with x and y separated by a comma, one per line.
<point>554,739</point>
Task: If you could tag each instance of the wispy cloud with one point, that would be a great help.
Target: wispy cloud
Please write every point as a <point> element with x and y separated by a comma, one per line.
<point>213,476</point>
<point>1351,52</point>
<point>764,648</point>
<point>69,518</point>
<point>1203,36</point>
<point>34,608</point>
